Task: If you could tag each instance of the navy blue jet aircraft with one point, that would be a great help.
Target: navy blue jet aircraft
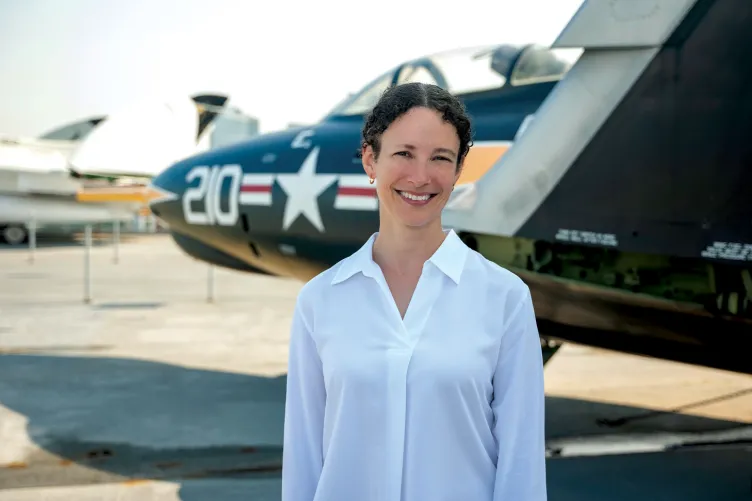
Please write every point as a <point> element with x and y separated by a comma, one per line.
<point>291,202</point>
<point>610,172</point>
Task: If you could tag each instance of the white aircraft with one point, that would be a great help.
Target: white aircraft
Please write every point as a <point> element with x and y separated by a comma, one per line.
<point>97,170</point>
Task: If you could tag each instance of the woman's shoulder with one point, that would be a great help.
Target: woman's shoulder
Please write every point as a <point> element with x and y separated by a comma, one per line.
<point>317,285</point>
<point>494,272</point>
<point>315,292</point>
<point>508,294</point>
<point>494,278</point>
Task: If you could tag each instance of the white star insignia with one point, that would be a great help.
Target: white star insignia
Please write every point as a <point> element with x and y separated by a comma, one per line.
<point>303,190</point>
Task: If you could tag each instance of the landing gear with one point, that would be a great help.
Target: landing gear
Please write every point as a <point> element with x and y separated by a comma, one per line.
<point>549,348</point>
<point>14,234</point>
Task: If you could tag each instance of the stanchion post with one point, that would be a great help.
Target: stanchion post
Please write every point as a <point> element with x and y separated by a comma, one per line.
<point>116,241</point>
<point>87,264</point>
<point>210,285</point>
<point>32,240</point>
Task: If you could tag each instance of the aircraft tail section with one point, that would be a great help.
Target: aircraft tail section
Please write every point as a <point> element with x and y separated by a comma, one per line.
<point>625,204</point>
<point>221,123</point>
<point>138,141</point>
<point>209,108</point>
<point>641,147</point>
<point>143,139</point>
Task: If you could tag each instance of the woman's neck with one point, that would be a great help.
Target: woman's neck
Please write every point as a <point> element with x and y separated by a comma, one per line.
<point>403,249</point>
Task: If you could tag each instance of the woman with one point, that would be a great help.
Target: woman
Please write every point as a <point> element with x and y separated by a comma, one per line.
<point>415,369</point>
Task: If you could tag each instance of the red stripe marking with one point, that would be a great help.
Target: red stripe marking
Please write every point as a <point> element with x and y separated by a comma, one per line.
<point>250,188</point>
<point>355,191</point>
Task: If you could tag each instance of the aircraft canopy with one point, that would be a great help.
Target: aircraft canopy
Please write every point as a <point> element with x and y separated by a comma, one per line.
<point>467,71</point>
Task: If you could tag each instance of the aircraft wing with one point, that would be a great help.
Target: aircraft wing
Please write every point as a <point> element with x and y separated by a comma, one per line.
<point>25,154</point>
<point>139,141</point>
<point>142,140</point>
<point>40,167</point>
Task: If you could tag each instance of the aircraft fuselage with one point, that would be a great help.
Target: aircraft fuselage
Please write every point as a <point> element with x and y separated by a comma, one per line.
<point>607,264</point>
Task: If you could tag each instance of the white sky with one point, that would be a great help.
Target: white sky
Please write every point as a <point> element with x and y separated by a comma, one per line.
<point>280,60</point>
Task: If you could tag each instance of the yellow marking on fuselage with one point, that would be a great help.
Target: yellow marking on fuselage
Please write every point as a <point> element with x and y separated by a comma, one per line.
<point>127,194</point>
<point>480,159</point>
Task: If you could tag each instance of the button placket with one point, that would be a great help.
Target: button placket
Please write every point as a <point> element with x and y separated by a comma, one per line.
<point>408,330</point>
<point>416,317</point>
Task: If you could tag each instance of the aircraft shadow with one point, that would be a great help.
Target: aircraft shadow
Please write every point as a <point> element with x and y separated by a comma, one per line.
<point>113,419</point>
<point>109,419</point>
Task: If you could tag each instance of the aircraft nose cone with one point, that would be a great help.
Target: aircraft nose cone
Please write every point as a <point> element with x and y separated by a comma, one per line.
<point>165,192</point>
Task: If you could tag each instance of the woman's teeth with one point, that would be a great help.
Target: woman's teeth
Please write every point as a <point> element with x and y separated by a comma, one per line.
<point>417,198</point>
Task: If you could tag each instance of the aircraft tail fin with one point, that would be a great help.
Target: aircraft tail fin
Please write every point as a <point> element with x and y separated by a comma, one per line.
<point>209,107</point>
<point>144,138</point>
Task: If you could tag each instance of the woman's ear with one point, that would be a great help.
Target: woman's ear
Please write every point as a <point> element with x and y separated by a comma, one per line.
<point>368,159</point>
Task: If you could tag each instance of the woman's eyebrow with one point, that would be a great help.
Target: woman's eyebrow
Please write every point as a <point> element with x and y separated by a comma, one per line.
<point>408,146</point>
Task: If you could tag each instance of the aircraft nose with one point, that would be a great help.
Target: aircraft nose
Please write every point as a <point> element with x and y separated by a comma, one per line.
<point>165,192</point>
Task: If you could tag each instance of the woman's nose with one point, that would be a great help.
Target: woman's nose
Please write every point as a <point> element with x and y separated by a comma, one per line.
<point>420,173</point>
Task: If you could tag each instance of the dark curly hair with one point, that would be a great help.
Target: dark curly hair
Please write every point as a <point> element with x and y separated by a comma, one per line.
<point>400,99</point>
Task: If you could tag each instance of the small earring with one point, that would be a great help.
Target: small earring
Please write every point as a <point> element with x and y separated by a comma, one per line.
<point>370,180</point>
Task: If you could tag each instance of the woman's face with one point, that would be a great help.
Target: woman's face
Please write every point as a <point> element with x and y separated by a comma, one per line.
<point>416,168</point>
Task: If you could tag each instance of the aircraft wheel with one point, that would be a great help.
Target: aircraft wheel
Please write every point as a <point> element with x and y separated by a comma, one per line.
<point>14,234</point>
<point>549,347</point>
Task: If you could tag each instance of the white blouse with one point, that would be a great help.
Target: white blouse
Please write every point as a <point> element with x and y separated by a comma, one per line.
<point>445,405</point>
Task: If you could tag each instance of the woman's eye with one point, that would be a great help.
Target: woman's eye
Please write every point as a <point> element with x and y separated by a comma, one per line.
<point>407,154</point>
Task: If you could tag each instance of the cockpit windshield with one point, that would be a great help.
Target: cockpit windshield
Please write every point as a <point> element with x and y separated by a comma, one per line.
<point>541,64</point>
<point>468,70</point>
<point>362,102</point>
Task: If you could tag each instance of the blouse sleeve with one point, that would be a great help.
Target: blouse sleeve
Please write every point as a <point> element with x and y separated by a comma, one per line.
<point>518,407</point>
<point>302,453</point>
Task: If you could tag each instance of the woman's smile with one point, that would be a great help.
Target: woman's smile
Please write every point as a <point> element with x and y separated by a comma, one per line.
<point>414,198</point>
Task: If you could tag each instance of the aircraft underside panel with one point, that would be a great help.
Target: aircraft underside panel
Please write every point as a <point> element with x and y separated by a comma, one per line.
<point>670,170</point>
<point>199,250</point>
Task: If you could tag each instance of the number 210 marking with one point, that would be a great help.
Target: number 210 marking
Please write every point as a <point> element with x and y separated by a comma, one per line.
<point>209,190</point>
